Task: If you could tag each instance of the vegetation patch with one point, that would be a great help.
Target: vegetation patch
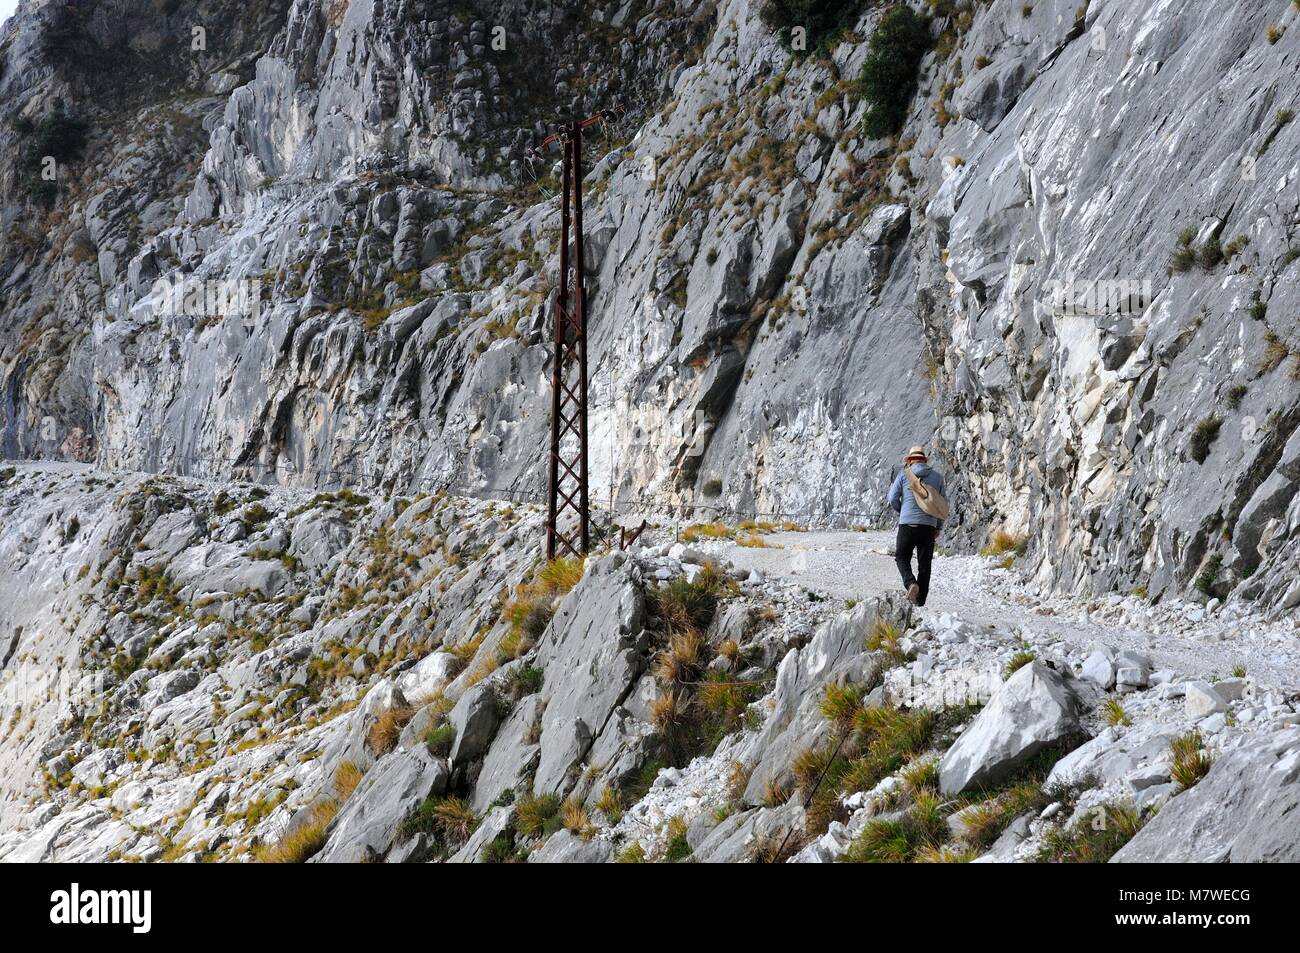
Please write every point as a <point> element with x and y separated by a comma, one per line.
<point>537,815</point>
<point>448,821</point>
<point>810,26</point>
<point>439,740</point>
<point>1208,574</point>
<point>387,728</point>
<point>1190,761</point>
<point>1276,350</point>
<point>697,707</point>
<point>1094,839</point>
<point>58,136</point>
<point>1003,542</point>
<point>531,606</point>
<point>1115,714</point>
<point>1019,661</point>
<point>303,842</point>
<point>888,79</point>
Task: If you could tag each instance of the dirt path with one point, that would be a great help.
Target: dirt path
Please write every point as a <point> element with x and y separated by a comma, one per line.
<point>858,565</point>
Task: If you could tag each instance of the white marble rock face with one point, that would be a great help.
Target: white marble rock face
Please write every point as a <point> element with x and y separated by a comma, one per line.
<point>779,306</point>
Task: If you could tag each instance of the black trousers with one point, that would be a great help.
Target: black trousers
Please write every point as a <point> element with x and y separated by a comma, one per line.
<point>921,540</point>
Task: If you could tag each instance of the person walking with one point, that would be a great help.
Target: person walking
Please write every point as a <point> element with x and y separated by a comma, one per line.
<point>917,496</point>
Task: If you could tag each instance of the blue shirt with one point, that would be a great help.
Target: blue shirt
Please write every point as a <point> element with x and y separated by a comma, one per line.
<point>904,504</point>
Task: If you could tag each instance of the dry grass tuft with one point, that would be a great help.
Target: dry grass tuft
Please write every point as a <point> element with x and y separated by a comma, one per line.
<point>808,766</point>
<point>737,780</point>
<point>691,605</point>
<point>534,814</point>
<point>1115,714</point>
<point>346,778</point>
<point>699,531</point>
<point>1276,350</point>
<point>387,728</point>
<point>920,773</point>
<point>665,712</point>
<point>775,793</point>
<point>943,854</point>
<point>611,804</point>
<point>1002,541</point>
<point>529,609</point>
<point>464,652</point>
<point>304,841</point>
<point>676,846</point>
<point>456,818</point>
<point>559,576</point>
<point>884,637</point>
<point>681,660</point>
<point>575,818</point>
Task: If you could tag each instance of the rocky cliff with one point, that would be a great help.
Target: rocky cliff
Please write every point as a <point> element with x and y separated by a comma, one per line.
<point>779,302</point>
<point>297,251</point>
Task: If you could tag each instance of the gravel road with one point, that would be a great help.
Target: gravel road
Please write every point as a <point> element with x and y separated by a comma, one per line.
<point>858,565</point>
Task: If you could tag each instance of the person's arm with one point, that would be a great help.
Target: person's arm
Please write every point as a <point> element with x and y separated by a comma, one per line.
<point>895,497</point>
<point>943,491</point>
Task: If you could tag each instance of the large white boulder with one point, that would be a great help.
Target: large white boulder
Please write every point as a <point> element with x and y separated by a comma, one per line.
<point>1201,700</point>
<point>1097,668</point>
<point>1034,709</point>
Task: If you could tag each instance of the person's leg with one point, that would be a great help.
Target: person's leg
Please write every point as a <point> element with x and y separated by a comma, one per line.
<point>924,556</point>
<point>904,543</point>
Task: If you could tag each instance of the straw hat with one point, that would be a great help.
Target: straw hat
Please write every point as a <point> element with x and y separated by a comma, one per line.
<point>916,455</point>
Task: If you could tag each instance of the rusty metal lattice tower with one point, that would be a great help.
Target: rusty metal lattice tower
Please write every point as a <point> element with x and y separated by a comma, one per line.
<point>567,483</point>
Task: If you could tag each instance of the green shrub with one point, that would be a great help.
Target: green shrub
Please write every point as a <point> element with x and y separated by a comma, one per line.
<point>823,20</point>
<point>43,192</point>
<point>1183,256</point>
<point>883,841</point>
<point>523,682</point>
<point>888,79</point>
<point>676,848</point>
<point>1210,253</point>
<point>439,740</point>
<point>1203,437</point>
<point>58,135</point>
<point>1205,578</point>
<point>499,850</point>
